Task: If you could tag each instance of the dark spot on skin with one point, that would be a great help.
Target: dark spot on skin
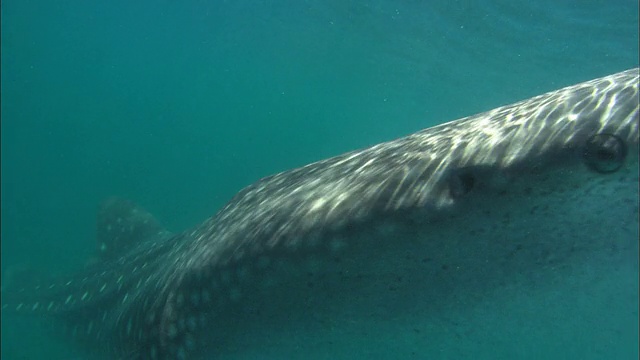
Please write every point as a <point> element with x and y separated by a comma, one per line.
<point>461,184</point>
<point>604,153</point>
<point>444,267</point>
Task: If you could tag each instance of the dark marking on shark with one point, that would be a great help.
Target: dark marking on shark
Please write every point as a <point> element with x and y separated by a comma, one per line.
<point>382,237</point>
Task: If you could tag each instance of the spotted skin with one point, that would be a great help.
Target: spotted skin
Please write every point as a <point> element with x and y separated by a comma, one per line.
<point>379,239</point>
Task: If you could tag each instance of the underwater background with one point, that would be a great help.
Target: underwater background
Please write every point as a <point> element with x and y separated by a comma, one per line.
<point>177,105</point>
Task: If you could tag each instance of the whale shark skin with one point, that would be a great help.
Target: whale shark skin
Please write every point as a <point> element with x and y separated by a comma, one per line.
<point>433,244</point>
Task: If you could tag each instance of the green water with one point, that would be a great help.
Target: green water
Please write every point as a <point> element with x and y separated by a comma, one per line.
<point>179,104</point>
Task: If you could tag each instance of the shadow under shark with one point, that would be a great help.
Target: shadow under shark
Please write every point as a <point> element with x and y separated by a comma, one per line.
<point>504,233</point>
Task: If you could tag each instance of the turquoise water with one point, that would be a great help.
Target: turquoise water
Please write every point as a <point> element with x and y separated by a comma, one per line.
<point>179,104</point>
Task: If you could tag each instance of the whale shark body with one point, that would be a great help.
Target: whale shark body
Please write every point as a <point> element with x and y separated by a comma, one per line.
<point>414,248</point>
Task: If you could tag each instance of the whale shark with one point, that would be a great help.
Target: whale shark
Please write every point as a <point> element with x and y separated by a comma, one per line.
<point>420,247</point>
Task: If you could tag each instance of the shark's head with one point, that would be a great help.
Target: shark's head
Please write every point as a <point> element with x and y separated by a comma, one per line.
<point>405,243</point>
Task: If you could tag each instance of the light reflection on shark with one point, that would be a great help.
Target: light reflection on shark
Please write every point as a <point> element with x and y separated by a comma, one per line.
<point>325,256</point>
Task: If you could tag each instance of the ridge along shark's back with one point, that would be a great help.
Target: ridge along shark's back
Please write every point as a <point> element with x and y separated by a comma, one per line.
<point>390,251</point>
